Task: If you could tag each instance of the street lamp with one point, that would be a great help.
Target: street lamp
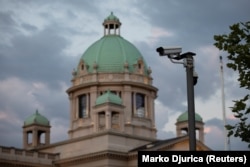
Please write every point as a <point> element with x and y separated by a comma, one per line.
<point>174,54</point>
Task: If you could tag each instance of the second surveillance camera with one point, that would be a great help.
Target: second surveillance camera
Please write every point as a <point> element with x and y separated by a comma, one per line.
<point>169,51</point>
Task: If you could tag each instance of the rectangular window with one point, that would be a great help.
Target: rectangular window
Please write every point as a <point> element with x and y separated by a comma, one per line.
<point>82,101</point>
<point>101,120</point>
<point>140,105</point>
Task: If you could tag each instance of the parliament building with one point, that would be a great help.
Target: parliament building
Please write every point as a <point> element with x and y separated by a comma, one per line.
<point>112,113</point>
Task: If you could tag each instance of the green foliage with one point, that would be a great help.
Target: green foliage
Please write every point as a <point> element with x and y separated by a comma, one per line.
<point>237,45</point>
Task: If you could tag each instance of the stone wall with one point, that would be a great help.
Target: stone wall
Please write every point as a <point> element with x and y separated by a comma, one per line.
<point>13,156</point>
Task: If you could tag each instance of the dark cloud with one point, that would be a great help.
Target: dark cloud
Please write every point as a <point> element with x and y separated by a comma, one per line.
<point>29,27</point>
<point>6,20</point>
<point>38,57</point>
<point>8,28</point>
<point>195,16</point>
<point>79,5</point>
<point>33,52</point>
<point>194,24</point>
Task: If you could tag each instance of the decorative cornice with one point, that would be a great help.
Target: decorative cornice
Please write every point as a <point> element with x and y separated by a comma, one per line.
<point>97,83</point>
<point>93,157</point>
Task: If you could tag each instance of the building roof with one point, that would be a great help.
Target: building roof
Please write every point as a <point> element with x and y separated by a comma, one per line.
<point>112,53</point>
<point>160,145</point>
<point>36,118</point>
<point>184,117</point>
<point>109,97</point>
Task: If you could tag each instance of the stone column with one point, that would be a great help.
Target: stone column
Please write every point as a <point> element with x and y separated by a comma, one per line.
<point>127,102</point>
<point>146,106</point>
<point>34,137</point>
<point>134,104</point>
<point>178,131</point>
<point>95,121</point>
<point>25,139</point>
<point>93,97</point>
<point>108,29</point>
<point>47,137</point>
<point>76,101</point>
<point>152,112</point>
<point>108,119</point>
<point>71,111</point>
<point>121,121</point>
<point>201,134</point>
<point>87,104</point>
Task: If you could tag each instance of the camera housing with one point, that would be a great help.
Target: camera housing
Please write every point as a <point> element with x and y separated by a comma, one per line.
<point>169,51</point>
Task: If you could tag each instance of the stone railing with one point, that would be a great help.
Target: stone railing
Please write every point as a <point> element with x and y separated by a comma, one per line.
<point>15,155</point>
<point>112,77</point>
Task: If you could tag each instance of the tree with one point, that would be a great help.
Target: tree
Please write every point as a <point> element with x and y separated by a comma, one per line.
<point>237,45</point>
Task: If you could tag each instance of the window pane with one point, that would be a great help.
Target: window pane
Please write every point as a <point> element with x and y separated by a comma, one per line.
<point>82,106</point>
<point>140,106</point>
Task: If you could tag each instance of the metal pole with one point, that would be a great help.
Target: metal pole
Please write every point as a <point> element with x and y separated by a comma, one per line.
<point>190,99</point>
<point>226,138</point>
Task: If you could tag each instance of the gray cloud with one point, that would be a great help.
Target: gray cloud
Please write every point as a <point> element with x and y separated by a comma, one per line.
<point>36,34</point>
<point>218,144</point>
<point>37,57</point>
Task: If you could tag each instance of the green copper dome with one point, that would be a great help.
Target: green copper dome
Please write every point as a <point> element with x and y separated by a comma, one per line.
<point>112,53</point>
<point>111,17</point>
<point>184,117</point>
<point>108,97</point>
<point>36,118</point>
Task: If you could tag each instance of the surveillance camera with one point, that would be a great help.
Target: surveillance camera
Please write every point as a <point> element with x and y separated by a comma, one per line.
<point>169,51</point>
<point>195,78</point>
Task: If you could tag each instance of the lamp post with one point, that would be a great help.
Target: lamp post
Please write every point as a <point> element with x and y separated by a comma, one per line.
<point>174,54</point>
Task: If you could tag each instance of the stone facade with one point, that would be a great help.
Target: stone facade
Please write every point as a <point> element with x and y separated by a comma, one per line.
<point>105,133</point>
<point>127,90</point>
<point>20,157</point>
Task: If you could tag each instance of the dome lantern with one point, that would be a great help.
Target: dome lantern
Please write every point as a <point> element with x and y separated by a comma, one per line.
<point>112,25</point>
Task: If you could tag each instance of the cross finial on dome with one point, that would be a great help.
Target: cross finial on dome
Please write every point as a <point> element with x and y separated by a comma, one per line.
<point>111,25</point>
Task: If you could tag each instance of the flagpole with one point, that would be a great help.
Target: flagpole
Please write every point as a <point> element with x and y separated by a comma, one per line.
<point>226,138</point>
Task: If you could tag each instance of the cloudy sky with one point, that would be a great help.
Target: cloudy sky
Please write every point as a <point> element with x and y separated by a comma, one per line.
<point>43,40</point>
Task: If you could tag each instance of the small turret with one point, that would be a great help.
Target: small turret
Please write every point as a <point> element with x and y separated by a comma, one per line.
<point>36,125</point>
<point>182,125</point>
